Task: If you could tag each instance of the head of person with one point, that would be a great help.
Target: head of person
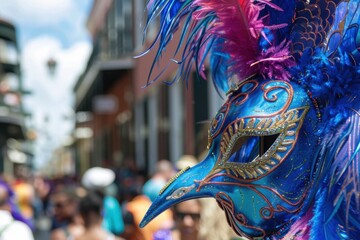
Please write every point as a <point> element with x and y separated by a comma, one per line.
<point>90,208</point>
<point>21,172</point>
<point>186,161</point>
<point>187,219</point>
<point>166,169</point>
<point>65,203</point>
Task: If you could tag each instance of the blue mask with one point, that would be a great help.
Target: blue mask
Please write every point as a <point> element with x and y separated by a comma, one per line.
<point>283,159</point>
<point>256,148</point>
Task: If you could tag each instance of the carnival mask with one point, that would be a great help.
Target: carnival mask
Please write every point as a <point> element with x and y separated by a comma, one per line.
<point>281,138</point>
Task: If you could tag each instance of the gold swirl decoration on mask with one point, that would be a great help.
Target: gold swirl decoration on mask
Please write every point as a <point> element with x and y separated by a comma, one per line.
<point>284,123</point>
<point>234,219</point>
<point>238,99</point>
<point>287,125</point>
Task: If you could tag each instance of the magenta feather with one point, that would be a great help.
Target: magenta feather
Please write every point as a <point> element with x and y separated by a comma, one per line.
<point>234,34</point>
<point>240,25</point>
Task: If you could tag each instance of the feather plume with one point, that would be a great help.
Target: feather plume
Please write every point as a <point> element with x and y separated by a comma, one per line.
<point>237,30</point>
<point>239,27</point>
<point>331,73</point>
<point>229,31</point>
<point>274,62</point>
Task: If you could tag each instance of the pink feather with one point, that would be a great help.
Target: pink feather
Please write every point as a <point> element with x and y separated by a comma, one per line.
<point>232,24</point>
<point>238,22</point>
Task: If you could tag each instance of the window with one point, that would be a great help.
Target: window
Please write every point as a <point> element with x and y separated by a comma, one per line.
<point>9,82</point>
<point>117,38</point>
<point>8,52</point>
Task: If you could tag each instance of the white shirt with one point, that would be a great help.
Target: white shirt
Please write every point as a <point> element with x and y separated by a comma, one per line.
<point>16,230</point>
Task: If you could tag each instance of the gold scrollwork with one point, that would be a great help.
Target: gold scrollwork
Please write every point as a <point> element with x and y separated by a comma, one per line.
<point>287,125</point>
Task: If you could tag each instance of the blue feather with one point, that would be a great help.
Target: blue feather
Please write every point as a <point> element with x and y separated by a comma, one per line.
<point>284,17</point>
<point>218,65</point>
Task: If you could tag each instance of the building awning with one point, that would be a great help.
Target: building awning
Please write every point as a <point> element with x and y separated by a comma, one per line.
<point>99,73</point>
<point>12,127</point>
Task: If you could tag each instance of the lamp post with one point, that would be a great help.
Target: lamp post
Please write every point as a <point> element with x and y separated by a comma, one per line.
<point>51,64</point>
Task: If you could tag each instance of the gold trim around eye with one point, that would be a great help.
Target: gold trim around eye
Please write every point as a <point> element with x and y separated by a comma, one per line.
<point>287,125</point>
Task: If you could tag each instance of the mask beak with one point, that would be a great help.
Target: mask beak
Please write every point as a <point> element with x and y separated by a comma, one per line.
<point>184,186</point>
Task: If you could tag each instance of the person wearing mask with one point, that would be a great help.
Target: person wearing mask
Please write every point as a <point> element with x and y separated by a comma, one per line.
<point>11,229</point>
<point>90,208</point>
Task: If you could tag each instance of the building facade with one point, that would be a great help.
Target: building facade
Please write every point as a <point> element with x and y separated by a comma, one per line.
<point>12,115</point>
<point>124,120</point>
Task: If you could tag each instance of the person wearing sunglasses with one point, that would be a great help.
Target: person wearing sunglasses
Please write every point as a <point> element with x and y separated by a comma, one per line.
<point>187,220</point>
<point>67,223</point>
<point>201,219</point>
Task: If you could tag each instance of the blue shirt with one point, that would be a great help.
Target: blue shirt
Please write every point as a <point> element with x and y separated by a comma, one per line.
<point>113,221</point>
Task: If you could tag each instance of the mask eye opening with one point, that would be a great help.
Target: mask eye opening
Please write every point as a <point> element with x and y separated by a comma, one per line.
<point>266,142</point>
<point>263,144</point>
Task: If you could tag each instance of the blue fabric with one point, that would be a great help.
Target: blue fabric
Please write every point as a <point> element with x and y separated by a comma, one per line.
<point>113,221</point>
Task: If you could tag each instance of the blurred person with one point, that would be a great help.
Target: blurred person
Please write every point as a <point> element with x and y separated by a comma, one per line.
<point>186,226</point>
<point>10,228</point>
<point>101,181</point>
<point>14,207</point>
<point>201,219</point>
<point>128,177</point>
<point>159,228</point>
<point>24,191</point>
<point>186,161</point>
<point>187,219</point>
<point>133,188</point>
<point>131,193</point>
<point>213,222</point>
<point>165,170</point>
<point>67,224</point>
<point>41,204</point>
<point>42,194</point>
<point>90,208</point>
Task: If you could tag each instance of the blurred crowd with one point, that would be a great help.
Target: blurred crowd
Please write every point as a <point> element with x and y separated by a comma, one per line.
<point>104,204</point>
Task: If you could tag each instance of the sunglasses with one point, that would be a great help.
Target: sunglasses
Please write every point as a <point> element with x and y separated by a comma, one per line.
<point>60,204</point>
<point>182,215</point>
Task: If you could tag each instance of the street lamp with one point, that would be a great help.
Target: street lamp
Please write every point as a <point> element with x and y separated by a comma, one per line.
<point>51,64</point>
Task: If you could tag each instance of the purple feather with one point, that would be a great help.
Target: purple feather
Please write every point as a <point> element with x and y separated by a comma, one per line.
<point>274,62</point>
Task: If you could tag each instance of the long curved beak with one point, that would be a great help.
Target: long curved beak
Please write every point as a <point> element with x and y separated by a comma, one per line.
<point>183,187</point>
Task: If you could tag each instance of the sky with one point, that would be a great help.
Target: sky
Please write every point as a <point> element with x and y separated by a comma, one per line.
<point>50,29</point>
